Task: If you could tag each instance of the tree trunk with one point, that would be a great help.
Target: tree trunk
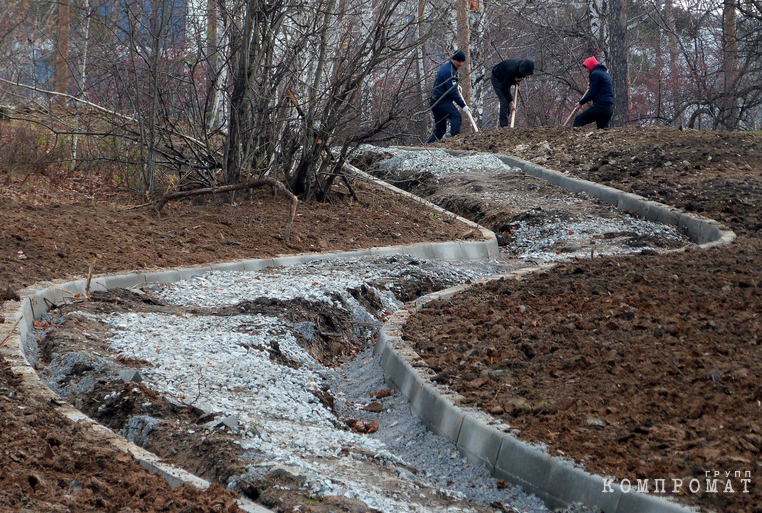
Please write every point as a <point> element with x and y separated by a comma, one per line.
<point>728,104</point>
<point>213,73</point>
<point>240,43</point>
<point>423,90</point>
<point>464,43</point>
<point>619,68</point>
<point>674,71</point>
<point>596,13</point>
<point>158,21</point>
<point>62,46</point>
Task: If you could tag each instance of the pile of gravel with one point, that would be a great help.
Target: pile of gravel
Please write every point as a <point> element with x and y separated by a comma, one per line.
<point>435,161</point>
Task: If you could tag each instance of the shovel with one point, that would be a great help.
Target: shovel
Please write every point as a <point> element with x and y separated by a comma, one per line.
<point>470,117</point>
<point>575,109</point>
<point>513,114</point>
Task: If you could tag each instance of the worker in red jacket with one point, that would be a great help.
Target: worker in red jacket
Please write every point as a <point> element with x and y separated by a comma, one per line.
<point>601,92</point>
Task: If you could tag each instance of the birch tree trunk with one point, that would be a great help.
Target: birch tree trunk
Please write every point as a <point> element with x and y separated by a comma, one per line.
<point>597,14</point>
<point>464,43</point>
<point>82,77</point>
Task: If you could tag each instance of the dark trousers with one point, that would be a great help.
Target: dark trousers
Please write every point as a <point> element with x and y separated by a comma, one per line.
<point>505,103</point>
<point>443,111</point>
<point>600,113</point>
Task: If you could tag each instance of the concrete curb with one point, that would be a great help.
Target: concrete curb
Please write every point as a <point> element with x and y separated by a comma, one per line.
<point>22,314</point>
<point>707,233</point>
<point>555,481</point>
<point>38,299</point>
<point>492,248</point>
<point>484,441</point>
<point>479,438</point>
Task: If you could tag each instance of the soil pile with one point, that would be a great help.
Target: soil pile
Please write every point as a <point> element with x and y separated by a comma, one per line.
<point>641,367</point>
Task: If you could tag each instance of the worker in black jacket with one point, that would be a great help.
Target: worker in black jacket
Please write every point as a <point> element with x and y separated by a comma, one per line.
<point>601,92</point>
<point>444,97</point>
<point>505,74</point>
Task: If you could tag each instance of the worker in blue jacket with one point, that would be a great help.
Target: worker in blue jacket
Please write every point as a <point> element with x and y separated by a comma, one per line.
<point>601,92</point>
<point>444,97</point>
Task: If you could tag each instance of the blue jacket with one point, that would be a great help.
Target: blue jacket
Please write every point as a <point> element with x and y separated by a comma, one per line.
<point>601,89</point>
<point>446,85</point>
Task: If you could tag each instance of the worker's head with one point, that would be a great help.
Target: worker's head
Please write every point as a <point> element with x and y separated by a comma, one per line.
<point>526,68</point>
<point>458,58</point>
<point>590,63</point>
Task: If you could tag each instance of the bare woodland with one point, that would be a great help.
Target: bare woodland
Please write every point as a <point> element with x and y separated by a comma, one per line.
<point>174,95</point>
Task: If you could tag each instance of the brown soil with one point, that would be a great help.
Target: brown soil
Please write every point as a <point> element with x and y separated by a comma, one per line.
<point>661,352</point>
<point>642,367</point>
<point>49,464</point>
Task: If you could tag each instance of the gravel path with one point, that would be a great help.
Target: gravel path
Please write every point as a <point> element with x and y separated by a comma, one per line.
<point>534,221</point>
<point>227,362</point>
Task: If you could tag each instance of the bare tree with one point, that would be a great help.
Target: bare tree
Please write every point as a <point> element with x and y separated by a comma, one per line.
<point>728,105</point>
<point>464,43</point>
<point>62,48</point>
<point>619,65</point>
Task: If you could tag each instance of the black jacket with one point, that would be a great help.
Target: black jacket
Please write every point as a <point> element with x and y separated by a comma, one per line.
<point>504,74</point>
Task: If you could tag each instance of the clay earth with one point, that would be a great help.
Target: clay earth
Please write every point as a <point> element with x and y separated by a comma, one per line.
<point>644,366</point>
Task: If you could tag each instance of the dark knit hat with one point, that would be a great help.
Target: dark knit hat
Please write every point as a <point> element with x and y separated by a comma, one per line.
<point>459,56</point>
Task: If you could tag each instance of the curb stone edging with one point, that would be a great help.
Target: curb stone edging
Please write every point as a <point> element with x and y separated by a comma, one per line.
<point>484,441</point>
<point>555,481</point>
<point>706,233</point>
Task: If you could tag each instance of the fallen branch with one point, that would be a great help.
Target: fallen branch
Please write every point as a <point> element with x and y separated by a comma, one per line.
<point>159,204</point>
<point>10,333</point>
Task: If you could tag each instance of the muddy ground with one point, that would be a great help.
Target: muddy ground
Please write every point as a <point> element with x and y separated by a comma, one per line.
<point>645,366</point>
<point>641,367</point>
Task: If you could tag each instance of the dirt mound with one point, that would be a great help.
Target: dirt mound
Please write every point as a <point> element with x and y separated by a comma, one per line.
<point>642,367</point>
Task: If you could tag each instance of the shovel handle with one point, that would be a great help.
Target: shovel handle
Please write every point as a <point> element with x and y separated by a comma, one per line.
<point>513,113</point>
<point>576,107</point>
<point>471,119</point>
<point>571,114</point>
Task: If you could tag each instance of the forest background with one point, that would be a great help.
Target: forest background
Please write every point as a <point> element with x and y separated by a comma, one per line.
<point>178,95</point>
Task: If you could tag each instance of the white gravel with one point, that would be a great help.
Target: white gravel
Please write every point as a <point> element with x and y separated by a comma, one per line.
<point>556,224</point>
<point>224,363</point>
<point>435,161</point>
